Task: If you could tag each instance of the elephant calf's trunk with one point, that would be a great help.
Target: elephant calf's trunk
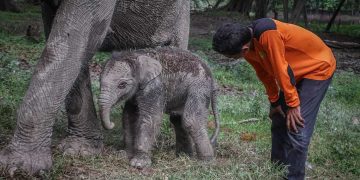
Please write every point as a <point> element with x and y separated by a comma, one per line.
<point>105,118</point>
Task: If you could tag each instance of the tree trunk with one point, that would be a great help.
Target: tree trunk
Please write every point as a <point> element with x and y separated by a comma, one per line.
<point>34,2</point>
<point>297,9</point>
<point>261,8</point>
<point>334,16</point>
<point>357,7</point>
<point>286,10</point>
<point>9,5</point>
<point>242,6</point>
<point>273,8</point>
<point>305,16</point>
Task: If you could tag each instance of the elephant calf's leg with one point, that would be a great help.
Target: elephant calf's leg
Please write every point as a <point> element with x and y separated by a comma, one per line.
<point>147,128</point>
<point>84,133</point>
<point>195,118</point>
<point>183,140</point>
<point>129,119</point>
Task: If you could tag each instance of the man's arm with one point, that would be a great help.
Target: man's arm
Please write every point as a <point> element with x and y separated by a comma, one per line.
<point>268,81</point>
<point>275,50</point>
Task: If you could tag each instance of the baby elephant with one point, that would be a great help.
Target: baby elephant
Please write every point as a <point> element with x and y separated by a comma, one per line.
<point>154,81</point>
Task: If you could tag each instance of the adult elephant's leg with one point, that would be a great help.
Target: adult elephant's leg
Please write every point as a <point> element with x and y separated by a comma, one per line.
<point>195,119</point>
<point>78,29</point>
<point>182,25</point>
<point>183,140</point>
<point>84,136</point>
<point>84,133</point>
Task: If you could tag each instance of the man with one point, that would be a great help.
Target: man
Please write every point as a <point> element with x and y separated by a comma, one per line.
<point>296,68</point>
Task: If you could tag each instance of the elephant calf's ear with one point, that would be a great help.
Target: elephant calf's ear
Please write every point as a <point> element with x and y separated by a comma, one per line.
<point>149,68</point>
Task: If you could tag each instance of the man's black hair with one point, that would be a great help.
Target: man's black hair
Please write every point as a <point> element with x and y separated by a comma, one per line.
<point>230,38</point>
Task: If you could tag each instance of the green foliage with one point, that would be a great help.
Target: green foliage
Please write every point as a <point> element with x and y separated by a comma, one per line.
<point>330,4</point>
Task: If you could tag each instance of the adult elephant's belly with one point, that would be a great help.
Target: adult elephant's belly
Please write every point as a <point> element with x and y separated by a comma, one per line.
<point>141,24</point>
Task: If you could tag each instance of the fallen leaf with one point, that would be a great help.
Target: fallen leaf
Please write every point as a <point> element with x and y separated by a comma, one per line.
<point>211,124</point>
<point>23,64</point>
<point>355,121</point>
<point>248,136</point>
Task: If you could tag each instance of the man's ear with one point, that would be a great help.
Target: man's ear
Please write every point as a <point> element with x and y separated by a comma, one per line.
<point>149,69</point>
<point>246,46</point>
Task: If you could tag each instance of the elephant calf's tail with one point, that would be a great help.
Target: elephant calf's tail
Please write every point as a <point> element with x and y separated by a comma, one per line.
<point>213,139</point>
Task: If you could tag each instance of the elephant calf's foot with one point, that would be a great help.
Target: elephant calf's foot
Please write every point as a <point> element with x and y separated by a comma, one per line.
<point>80,146</point>
<point>32,162</point>
<point>140,160</point>
<point>186,149</point>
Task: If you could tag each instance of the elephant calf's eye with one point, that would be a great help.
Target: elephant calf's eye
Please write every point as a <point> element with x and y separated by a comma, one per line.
<point>122,85</point>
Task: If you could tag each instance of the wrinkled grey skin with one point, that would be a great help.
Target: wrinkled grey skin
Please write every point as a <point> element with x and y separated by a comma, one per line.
<point>152,82</point>
<point>75,30</point>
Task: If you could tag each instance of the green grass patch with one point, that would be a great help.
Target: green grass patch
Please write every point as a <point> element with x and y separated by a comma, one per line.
<point>17,23</point>
<point>335,144</point>
<point>203,44</point>
<point>352,30</point>
<point>17,57</point>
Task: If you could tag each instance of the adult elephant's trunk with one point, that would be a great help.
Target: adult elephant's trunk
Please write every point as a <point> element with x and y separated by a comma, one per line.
<point>105,117</point>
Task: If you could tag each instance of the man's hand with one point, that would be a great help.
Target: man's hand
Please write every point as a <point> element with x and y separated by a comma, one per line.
<point>294,118</point>
<point>276,110</point>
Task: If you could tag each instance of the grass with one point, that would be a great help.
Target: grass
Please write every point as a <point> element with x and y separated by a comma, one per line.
<point>17,23</point>
<point>334,152</point>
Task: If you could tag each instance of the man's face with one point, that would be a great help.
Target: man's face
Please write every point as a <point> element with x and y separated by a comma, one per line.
<point>234,56</point>
<point>241,54</point>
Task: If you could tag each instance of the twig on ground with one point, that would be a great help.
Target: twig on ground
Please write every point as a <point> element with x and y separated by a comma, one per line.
<point>242,121</point>
<point>342,45</point>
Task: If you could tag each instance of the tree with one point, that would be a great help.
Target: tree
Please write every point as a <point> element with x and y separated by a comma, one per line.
<point>298,7</point>
<point>9,5</point>
<point>261,8</point>
<point>34,2</point>
<point>286,10</point>
<point>243,6</point>
<point>305,16</point>
<point>273,8</point>
<point>334,16</point>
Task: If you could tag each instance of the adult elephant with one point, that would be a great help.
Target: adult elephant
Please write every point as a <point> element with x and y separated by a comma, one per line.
<point>75,30</point>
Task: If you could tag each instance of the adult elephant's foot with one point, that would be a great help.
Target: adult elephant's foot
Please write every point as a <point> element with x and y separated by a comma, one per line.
<point>80,146</point>
<point>140,160</point>
<point>32,162</point>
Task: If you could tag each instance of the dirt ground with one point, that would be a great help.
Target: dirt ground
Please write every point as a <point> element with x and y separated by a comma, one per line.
<point>203,25</point>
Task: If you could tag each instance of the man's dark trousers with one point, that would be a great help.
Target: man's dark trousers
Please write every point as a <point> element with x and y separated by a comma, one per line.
<point>290,148</point>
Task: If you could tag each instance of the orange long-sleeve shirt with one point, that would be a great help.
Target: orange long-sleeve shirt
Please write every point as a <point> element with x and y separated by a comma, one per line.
<point>283,54</point>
